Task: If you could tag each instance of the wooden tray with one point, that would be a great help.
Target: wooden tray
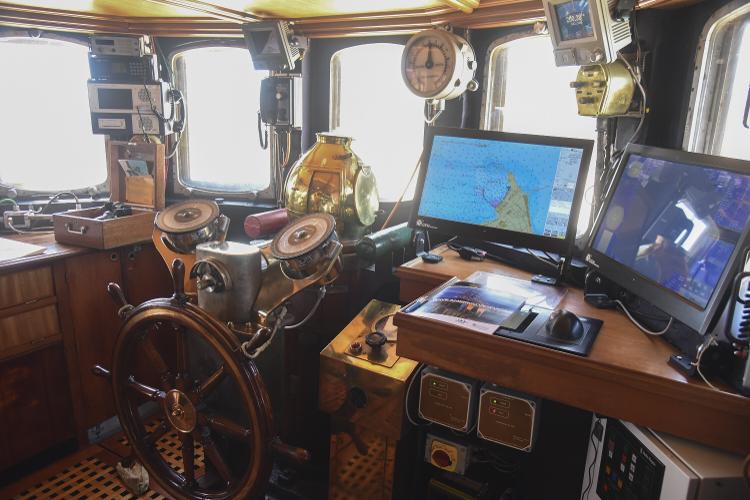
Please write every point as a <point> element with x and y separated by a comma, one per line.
<point>145,194</point>
<point>79,227</point>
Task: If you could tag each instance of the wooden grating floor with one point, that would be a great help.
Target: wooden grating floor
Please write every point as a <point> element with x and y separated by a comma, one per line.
<point>90,473</point>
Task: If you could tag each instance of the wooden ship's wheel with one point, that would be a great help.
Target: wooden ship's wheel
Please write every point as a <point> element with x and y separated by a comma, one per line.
<point>185,368</point>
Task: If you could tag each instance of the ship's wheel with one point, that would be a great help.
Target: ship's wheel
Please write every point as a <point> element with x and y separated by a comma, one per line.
<point>174,363</point>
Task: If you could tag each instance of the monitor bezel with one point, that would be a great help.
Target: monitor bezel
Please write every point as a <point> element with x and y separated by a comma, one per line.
<point>683,310</point>
<point>562,246</point>
<point>591,42</point>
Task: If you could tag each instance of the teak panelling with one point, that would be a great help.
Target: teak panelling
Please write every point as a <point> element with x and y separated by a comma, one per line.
<point>95,323</point>
<point>25,329</point>
<point>25,286</point>
<point>625,376</point>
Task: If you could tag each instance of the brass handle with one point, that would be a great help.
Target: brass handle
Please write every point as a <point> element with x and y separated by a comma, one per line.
<point>69,228</point>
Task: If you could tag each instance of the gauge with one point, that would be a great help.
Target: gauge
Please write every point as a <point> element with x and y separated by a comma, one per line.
<point>437,64</point>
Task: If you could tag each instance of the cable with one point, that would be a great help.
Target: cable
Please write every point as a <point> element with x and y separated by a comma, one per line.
<point>403,193</point>
<point>528,251</point>
<point>321,294</point>
<point>590,479</point>
<point>12,201</point>
<point>57,195</point>
<point>641,327</point>
<point>408,393</point>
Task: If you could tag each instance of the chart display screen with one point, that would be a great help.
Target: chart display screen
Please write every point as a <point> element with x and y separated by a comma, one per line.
<point>676,224</point>
<point>574,20</point>
<point>514,186</point>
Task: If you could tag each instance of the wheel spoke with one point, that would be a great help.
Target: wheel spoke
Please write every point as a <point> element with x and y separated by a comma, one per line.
<point>155,359</point>
<point>149,392</point>
<point>183,359</point>
<point>226,426</point>
<point>211,382</point>
<point>154,436</point>
<point>212,452</point>
<point>188,457</point>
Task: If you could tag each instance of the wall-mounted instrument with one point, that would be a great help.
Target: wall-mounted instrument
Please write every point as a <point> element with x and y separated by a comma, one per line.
<point>123,69</point>
<point>330,178</point>
<point>272,45</point>
<point>116,45</point>
<point>604,89</point>
<point>281,101</point>
<point>438,65</point>
<point>507,417</point>
<point>125,109</point>
<point>448,399</point>
<point>587,31</point>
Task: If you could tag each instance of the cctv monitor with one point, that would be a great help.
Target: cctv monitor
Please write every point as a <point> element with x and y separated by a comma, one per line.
<point>672,229</point>
<point>584,32</point>
<point>270,45</point>
<point>513,189</point>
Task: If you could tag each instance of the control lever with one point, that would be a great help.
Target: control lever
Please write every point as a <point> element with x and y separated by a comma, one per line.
<point>291,453</point>
<point>118,296</point>
<point>178,281</point>
<point>100,371</point>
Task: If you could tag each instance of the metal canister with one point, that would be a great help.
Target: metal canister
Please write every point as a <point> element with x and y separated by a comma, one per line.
<point>228,278</point>
<point>257,225</point>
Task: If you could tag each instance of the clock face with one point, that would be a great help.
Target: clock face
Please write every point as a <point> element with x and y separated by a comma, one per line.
<point>429,64</point>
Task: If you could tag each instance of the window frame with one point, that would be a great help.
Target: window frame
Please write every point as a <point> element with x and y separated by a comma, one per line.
<point>334,100</point>
<point>489,73</point>
<point>181,171</point>
<point>94,190</point>
<point>700,132</point>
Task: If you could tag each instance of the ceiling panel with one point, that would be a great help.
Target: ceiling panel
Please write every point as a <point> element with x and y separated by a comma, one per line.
<point>288,9</point>
<point>120,8</point>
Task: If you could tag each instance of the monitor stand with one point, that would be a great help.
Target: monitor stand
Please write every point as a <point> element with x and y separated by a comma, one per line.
<point>547,274</point>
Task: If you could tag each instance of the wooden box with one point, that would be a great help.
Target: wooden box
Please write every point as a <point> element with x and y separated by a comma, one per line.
<point>145,194</point>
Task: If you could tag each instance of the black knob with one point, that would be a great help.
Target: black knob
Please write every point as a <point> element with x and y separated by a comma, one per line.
<point>357,397</point>
<point>376,340</point>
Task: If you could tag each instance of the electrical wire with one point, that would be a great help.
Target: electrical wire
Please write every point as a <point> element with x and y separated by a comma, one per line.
<point>408,393</point>
<point>57,195</point>
<point>640,326</point>
<point>590,479</point>
<point>12,201</point>
<point>403,193</point>
<point>321,294</point>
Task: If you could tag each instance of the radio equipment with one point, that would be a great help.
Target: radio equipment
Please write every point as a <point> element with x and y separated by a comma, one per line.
<point>281,101</point>
<point>129,124</point>
<point>123,69</point>
<point>135,46</point>
<point>131,98</point>
<point>507,417</point>
<point>448,399</point>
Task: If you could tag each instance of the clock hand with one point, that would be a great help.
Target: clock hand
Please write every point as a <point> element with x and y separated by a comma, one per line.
<point>429,63</point>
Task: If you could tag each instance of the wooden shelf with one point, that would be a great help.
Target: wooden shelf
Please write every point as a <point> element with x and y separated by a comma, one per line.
<point>626,375</point>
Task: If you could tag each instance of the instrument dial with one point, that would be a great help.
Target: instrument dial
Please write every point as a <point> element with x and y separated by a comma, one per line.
<point>437,64</point>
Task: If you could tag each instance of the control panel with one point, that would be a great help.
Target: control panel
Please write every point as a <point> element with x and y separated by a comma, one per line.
<point>507,418</point>
<point>628,469</point>
<point>447,399</point>
<point>446,454</point>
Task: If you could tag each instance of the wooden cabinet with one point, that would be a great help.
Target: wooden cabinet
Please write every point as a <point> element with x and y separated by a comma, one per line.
<point>35,403</point>
<point>94,321</point>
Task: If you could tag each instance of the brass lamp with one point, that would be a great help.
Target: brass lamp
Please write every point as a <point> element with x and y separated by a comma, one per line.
<point>332,179</point>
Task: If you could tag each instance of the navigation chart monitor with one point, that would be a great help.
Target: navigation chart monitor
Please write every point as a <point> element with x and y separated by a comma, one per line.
<point>520,190</point>
<point>672,229</point>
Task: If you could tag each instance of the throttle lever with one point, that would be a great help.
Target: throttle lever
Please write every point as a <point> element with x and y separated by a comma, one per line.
<point>118,296</point>
<point>292,453</point>
<point>178,281</point>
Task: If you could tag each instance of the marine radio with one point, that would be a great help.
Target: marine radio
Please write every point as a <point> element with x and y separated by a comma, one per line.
<point>123,69</point>
<point>113,45</point>
<point>124,109</point>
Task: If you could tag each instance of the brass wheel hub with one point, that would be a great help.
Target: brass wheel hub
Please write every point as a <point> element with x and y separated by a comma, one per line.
<point>180,411</point>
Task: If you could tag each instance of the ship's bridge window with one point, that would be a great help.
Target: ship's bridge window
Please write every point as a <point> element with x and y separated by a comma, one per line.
<point>220,150</point>
<point>370,102</point>
<point>719,121</point>
<point>46,143</point>
<point>527,94</point>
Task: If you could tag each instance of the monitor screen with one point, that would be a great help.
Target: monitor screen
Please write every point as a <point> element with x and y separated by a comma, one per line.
<point>676,221</point>
<point>492,186</point>
<point>574,20</point>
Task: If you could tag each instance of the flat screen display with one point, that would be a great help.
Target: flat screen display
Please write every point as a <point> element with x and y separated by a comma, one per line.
<point>115,99</point>
<point>574,20</point>
<point>676,224</point>
<point>517,186</point>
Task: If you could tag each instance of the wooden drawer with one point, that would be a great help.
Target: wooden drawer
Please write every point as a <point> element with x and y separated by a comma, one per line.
<point>23,331</point>
<point>25,286</point>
